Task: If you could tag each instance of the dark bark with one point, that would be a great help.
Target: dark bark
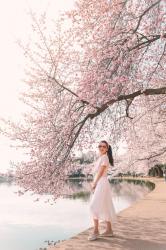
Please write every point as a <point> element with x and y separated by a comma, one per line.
<point>147,92</point>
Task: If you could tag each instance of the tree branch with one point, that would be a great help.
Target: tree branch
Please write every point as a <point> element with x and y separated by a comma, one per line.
<point>143,14</point>
<point>147,42</point>
<point>157,91</point>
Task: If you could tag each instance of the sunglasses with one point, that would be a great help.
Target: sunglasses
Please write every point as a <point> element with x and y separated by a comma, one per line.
<point>102,146</point>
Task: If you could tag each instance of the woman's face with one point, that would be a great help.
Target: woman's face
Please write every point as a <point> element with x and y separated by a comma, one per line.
<point>102,148</point>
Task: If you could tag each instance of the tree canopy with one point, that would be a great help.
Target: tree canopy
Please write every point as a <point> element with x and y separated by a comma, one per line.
<point>99,70</point>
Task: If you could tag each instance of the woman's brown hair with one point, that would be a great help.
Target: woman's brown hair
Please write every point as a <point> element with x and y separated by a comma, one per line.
<point>109,153</point>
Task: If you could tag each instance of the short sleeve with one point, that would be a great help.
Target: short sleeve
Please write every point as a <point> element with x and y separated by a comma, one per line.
<point>104,161</point>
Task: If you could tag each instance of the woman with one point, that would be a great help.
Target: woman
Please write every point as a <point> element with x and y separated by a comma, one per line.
<point>101,206</point>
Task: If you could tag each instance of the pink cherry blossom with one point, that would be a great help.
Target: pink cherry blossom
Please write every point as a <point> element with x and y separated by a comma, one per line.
<point>99,73</point>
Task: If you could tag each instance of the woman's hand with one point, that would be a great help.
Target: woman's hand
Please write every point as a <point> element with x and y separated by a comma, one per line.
<point>93,185</point>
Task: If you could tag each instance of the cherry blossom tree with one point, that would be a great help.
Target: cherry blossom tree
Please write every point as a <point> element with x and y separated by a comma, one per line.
<point>98,71</point>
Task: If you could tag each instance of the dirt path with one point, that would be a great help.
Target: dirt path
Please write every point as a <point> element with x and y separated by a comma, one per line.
<point>142,226</point>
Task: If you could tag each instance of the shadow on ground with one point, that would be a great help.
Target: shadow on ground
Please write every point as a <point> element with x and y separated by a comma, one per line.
<point>130,234</point>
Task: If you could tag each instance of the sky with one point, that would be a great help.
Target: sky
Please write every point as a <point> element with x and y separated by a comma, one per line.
<point>15,25</point>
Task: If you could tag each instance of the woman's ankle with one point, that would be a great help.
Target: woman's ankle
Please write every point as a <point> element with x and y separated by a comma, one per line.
<point>109,230</point>
<point>96,231</point>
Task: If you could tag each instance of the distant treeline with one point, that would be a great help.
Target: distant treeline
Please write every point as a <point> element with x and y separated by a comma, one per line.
<point>6,179</point>
<point>158,170</point>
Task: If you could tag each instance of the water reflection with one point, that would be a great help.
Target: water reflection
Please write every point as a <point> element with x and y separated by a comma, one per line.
<point>131,190</point>
<point>25,224</point>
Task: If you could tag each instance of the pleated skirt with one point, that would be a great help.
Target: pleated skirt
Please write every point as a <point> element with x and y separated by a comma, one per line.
<point>101,204</point>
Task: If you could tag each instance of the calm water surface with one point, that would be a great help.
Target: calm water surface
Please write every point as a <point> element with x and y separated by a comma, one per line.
<point>28,225</point>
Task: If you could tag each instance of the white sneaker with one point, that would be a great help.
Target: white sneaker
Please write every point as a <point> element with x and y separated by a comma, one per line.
<point>105,234</point>
<point>93,237</point>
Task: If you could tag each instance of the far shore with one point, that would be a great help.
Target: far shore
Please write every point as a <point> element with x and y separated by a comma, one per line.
<point>116,177</point>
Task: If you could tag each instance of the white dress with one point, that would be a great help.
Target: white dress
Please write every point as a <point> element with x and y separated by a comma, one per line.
<point>101,205</point>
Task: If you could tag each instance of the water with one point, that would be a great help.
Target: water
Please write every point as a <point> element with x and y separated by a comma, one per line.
<point>28,225</point>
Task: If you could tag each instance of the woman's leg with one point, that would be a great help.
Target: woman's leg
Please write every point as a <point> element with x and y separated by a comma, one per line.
<point>96,226</point>
<point>109,227</point>
<point>95,233</point>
